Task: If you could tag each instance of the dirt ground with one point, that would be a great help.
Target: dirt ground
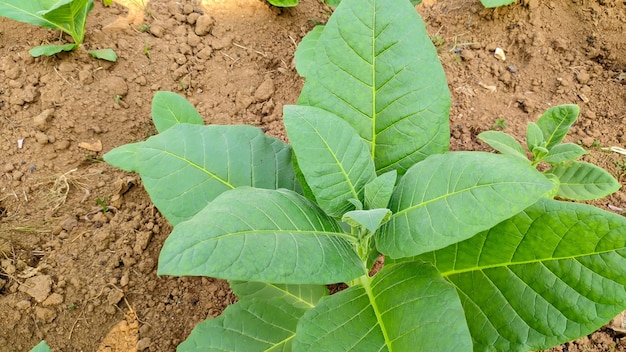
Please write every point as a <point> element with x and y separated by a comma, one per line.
<point>85,280</point>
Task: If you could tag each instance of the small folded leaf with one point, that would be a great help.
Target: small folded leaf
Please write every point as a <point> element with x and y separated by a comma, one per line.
<point>556,122</point>
<point>104,54</point>
<point>451,197</point>
<point>406,307</point>
<point>283,3</point>
<point>552,273</point>
<point>187,166</point>
<point>534,136</point>
<point>370,219</point>
<point>301,296</point>
<point>564,152</point>
<point>583,181</point>
<point>50,49</point>
<point>332,157</point>
<point>378,192</point>
<point>252,325</point>
<point>169,109</point>
<point>262,235</point>
<point>504,143</point>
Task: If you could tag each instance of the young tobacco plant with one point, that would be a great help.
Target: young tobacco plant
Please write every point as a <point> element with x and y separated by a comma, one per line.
<point>477,254</point>
<point>576,180</point>
<point>68,16</point>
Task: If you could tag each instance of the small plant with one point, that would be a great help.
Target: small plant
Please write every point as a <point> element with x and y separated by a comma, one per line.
<point>576,180</point>
<point>477,254</point>
<point>68,16</point>
<point>103,203</point>
<point>500,124</point>
<point>41,347</point>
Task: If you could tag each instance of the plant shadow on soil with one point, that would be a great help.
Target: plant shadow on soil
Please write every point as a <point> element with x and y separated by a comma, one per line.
<point>71,272</point>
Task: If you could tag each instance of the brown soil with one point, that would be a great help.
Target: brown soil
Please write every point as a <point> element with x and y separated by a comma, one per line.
<point>72,274</point>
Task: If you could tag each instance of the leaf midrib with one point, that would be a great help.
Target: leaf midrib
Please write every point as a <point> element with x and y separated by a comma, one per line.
<point>445,274</point>
<point>345,236</point>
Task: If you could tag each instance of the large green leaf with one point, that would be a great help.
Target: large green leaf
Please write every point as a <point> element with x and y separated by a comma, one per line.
<point>377,69</point>
<point>303,296</point>
<point>252,325</point>
<point>583,181</point>
<point>187,166</point>
<point>555,272</point>
<point>449,198</point>
<point>169,109</point>
<point>331,155</point>
<point>306,51</point>
<point>556,122</point>
<point>261,235</point>
<point>41,347</point>
<point>66,15</point>
<point>405,307</point>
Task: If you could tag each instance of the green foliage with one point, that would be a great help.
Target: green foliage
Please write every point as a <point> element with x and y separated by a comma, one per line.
<point>41,347</point>
<point>577,180</point>
<point>68,16</point>
<point>334,3</point>
<point>496,3</point>
<point>477,257</point>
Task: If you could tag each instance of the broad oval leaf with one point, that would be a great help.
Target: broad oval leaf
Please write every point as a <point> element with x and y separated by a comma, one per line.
<point>332,157</point>
<point>564,152</point>
<point>169,109</point>
<point>302,296</point>
<point>377,68</point>
<point>262,235</point>
<point>504,143</point>
<point>553,273</point>
<point>41,347</point>
<point>583,181</point>
<point>406,307</point>
<point>556,122</point>
<point>252,325</point>
<point>451,197</point>
<point>187,166</point>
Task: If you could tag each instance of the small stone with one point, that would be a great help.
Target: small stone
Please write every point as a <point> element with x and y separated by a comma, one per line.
<point>69,224</point>
<point>193,40</point>
<point>204,25</point>
<point>467,55</point>
<point>157,30</point>
<point>125,279</point>
<point>41,138</point>
<point>45,315</point>
<point>583,77</point>
<point>38,287</point>
<point>62,144</point>
<point>174,8</point>
<point>265,90</point>
<point>205,53</point>
<point>192,18</point>
<point>187,9</point>
<point>588,141</point>
<point>143,344</point>
<point>95,146</point>
<point>41,121</point>
<point>23,304</point>
<point>114,297</point>
<point>143,238</point>
<point>53,300</point>
<point>115,85</point>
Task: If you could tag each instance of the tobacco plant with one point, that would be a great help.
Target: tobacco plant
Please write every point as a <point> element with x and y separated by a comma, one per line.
<point>68,16</point>
<point>477,254</point>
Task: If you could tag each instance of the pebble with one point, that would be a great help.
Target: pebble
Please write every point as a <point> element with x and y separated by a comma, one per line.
<point>204,25</point>
<point>38,287</point>
<point>157,30</point>
<point>41,121</point>
<point>583,77</point>
<point>69,224</point>
<point>265,90</point>
<point>41,138</point>
<point>143,344</point>
<point>53,300</point>
<point>45,315</point>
